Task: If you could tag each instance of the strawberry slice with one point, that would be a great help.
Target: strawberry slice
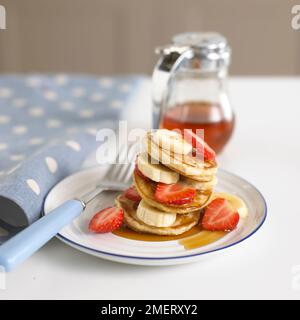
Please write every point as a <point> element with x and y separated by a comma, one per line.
<point>220,215</point>
<point>175,193</point>
<point>132,194</point>
<point>199,144</point>
<point>107,220</point>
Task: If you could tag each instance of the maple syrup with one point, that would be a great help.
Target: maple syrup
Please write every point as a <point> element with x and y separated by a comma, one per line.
<point>200,115</point>
<point>194,238</point>
<point>201,239</point>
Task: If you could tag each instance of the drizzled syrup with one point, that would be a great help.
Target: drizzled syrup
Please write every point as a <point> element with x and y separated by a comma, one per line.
<point>194,238</point>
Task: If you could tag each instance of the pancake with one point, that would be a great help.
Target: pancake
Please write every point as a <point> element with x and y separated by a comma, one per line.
<point>200,185</point>
<point>182,224</point>
<point>186,165</point>
<point>146,190</point>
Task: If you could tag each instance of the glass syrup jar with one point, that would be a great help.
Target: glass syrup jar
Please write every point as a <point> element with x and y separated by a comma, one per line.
<point>189,87</point>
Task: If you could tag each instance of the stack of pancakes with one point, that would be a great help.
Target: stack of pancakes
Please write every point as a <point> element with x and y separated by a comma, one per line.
<point>182,167</point>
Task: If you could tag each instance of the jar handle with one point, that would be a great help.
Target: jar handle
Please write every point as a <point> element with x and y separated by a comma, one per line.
<point>188,54</point>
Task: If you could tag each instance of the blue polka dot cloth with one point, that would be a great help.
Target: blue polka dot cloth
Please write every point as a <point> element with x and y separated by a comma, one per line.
<point>48,125</point>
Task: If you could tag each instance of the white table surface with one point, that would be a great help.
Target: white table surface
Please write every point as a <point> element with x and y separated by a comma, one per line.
<point>265,150</point>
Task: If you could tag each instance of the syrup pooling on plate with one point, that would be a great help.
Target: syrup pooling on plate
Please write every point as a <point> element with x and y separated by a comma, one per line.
<point>127,233</point>
<point>194,238</point>
<point>201,239</point>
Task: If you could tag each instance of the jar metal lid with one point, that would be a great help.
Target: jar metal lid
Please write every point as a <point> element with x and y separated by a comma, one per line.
<point>213,49</point>
<point>201,40</point>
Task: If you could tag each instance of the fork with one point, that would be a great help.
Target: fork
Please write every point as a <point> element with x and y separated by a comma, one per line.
<point>17,249</point>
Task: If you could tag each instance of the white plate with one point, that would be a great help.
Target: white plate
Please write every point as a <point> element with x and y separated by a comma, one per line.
<point>111,247</point>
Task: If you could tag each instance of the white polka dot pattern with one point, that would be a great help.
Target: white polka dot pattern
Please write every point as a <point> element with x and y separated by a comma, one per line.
<point>96,97</point>
<point>61,79</point>
<point>50,95</point>
<point>17,157</point>
<point>19,130</point>
<point>53,123</point>
<point>4,119</point>
<point>86,113</point>
<point>116,104</point>
<point>36,112</point>
<point>5,92</point>
<point>33,82</point>
<point>51,164</point>
<point>48,126</point>
<point>106,83</point>
<point>124,87</point>
<point>33,185</point>
<point>73,145</point>
<point>92,131</point>
<point>78,92</point>
<point>67,105</point>
<point>35,141</point>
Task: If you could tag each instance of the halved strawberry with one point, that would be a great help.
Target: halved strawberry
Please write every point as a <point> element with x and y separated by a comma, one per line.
<point>132,194</point>
<point>220,215</point>
<point>199,144</point>
<point>175,193</point>
<point>107,220</point>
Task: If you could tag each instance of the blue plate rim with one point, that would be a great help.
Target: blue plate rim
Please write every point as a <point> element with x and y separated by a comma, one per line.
<point>76,244</point>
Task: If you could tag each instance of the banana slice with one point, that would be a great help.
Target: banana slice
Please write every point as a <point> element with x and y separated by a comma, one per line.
<point>153,217</point>
<point>171,141</point>
<point>156,171</point>
<point>236,202</point>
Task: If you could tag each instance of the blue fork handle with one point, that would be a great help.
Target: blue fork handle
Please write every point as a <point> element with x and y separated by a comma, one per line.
<point>16,250</point>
